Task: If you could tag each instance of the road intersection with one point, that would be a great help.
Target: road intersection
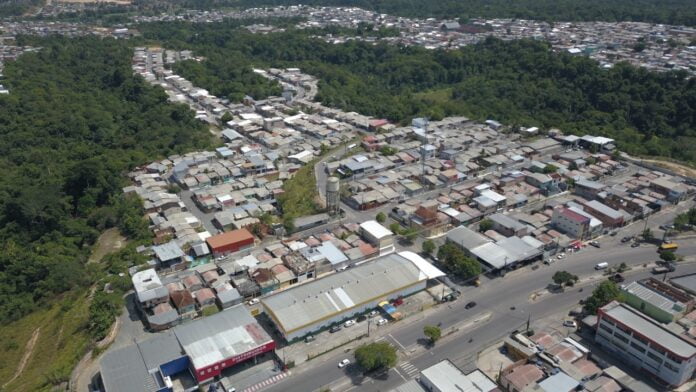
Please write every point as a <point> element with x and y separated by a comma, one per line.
<point>507,300</point>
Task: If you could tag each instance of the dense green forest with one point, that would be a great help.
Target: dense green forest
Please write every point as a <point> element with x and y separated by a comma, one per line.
<point>228,78</point>
<point>517,82</point>
<point>17,7</point>
<point>75,121</point>
<point>655,11</point>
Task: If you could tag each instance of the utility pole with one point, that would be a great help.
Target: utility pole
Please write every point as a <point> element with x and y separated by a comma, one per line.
<point>368,326</point>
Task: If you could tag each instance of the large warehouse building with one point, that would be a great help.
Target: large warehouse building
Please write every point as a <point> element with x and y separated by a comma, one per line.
<point>197,351</point>
<point>316,305</point>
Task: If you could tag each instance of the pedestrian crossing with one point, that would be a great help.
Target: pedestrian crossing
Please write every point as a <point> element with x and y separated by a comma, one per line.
<point>267,382</point>
<point>408,369</point>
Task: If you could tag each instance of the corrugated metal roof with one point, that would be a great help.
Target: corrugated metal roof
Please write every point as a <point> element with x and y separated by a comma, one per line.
<point>321,299</point>
<point>650,329</point>
<point>168,251</point>
<point>466,238</point>
<point>411,386</point>
<point>231,332</point>
<point>126,369</point>
<point>654,298</point>
<point>447,377</point>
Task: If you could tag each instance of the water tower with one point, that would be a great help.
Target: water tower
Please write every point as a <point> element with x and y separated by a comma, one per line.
<point>332,194</point>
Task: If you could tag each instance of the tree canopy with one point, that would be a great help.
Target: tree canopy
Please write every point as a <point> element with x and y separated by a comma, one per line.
<point>456,261</point>
<point>564,278</point>
<point>606,292</point>
<point>376,356</point>
<point>432,332</point>
<point>75,121</point>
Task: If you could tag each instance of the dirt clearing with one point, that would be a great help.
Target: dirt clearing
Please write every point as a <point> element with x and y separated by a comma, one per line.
<point>109,241</point>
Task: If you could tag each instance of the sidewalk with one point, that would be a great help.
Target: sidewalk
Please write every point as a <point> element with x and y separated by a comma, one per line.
<point>414,308</point>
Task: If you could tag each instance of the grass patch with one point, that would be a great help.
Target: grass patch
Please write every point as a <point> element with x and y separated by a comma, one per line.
<point>63,340</point>
<point>209,311</point>
<point>300,196</point>
<point>109,241</point>
<point>436,95</point>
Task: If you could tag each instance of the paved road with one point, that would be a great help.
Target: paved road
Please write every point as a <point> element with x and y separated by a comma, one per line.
<point>509,291</point>
<point>496,297</point>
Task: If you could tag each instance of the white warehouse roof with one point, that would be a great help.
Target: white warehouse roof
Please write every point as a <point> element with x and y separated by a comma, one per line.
<point>375,229</point>
<point>305,305</point>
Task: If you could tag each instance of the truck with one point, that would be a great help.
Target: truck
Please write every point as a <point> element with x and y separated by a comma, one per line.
<point>669,246</point>
<point>601,266</point>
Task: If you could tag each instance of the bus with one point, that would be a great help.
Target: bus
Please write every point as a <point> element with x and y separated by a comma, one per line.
<point>668,246</point>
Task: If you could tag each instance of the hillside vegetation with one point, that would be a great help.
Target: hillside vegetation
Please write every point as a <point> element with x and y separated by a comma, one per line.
<point>75,121</point>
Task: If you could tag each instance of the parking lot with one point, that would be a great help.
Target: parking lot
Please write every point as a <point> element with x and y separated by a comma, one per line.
<point>348,337</point>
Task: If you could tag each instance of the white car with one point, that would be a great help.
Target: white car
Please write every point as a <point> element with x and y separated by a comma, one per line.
<point>372,314</point>
<point>381,322</point>
<point>570,324</point>
<point>344,363</point>
<point>349,323</point>
<point>253,301</point>
<point>561,256</point>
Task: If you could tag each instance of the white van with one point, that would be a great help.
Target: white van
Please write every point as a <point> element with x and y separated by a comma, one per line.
<point>601,266</point>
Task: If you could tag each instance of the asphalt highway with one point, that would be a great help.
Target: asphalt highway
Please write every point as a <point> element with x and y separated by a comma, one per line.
<point>495,297</point>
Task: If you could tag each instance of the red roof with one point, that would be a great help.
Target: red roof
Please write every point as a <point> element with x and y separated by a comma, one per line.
<point>574,216</point>
<point>203,295</point>
<point>378,122</point>
<point>231,237</point>
<point>182,299</point>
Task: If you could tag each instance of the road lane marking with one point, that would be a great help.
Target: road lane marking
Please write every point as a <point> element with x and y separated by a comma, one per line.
<point>409,368</point>
<point>397,342</point>
<point>397,372</point>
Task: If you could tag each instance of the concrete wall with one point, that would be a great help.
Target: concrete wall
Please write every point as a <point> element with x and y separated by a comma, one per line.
<point>661,367</point>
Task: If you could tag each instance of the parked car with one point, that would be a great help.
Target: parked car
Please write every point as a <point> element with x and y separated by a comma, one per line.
<point>309,338</point>
<point>349,323</point>
<point>660,270</point>
<point>625,239</point>
<point>344,363</point>
<point>635,244</point>
<point>561,256</point>
<point>372,314</point>
<point>570,324</point>
<point>253,301</point>
<point>470,305</point>
<point>595,243</point>
<point>335,328</point>
<point>381,322</point>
